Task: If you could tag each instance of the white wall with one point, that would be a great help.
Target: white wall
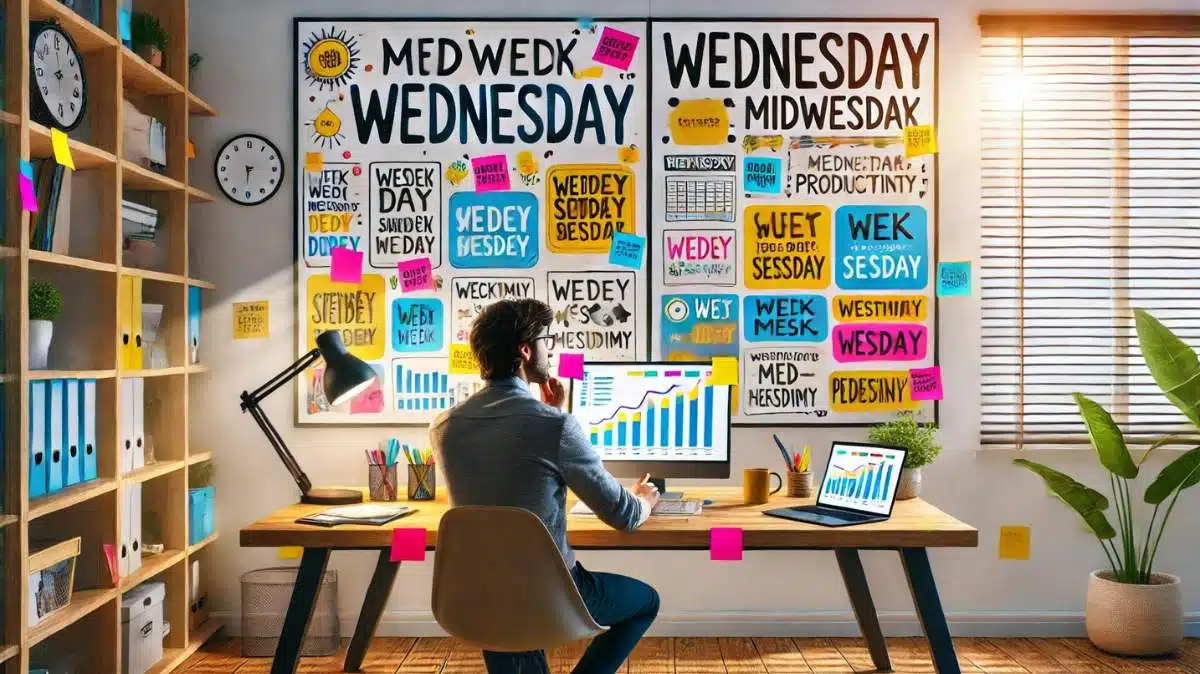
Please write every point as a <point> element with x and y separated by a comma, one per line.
<point>247,252</point>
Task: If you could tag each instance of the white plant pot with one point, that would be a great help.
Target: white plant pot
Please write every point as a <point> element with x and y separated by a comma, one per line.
<point>910,484</point>
<point>40,334</point>
<point>1137,620</point>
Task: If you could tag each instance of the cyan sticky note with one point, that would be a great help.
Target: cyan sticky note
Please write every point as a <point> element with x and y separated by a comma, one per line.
<point>725,544</point>
<point>954,279</point>
<point>570,365</point>
<point>125,25</point>
<point>627,250</point>
<point>27,169</point>
<point>408,545</point>
<point>762,175</point>
<point>346,266</point>
<point>926,383</point>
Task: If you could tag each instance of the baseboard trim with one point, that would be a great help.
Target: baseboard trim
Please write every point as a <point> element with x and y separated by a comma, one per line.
<point>809,624</point>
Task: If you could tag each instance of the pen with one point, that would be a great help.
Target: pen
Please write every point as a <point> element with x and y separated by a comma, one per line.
<point>783,451</point>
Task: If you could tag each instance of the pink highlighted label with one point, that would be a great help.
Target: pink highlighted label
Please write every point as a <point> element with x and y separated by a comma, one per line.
<point>725,544</point>
<point>860,342</point>
<point>926,383</point>
<point>346,266</point>
<point>491,173</point>
<point>615,48</point>
<point>570,365</point>
<point>415,275</point>
<point>408,545</point>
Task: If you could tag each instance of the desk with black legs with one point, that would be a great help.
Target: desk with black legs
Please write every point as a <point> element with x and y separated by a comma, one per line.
<point>914,527</point>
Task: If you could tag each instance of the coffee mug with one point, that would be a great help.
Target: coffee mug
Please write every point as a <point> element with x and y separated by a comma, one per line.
<point>756,483</point>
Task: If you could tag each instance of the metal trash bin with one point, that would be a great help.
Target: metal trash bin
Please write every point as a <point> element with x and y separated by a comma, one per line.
<point>265,597</point>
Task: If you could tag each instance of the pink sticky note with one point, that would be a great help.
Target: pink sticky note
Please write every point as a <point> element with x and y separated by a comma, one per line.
<point>28,198</point>
<point>926,383</point>
<point>491,173</point>
<point>615,48</point>
<point>415,275</point>
<point>347,266</point>
<point>570,365</point>
<point>725,544</point>
<point>408,545</point>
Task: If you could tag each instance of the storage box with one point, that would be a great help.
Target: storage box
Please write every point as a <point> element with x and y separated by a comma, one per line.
<point>51,576</point>
<point>200,513</point>
<point>142,627</point>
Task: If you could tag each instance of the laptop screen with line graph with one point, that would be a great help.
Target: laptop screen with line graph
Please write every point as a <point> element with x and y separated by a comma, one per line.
<point>861,477</point>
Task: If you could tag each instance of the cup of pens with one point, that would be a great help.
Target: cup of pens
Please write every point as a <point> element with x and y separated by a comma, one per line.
<point>799,477</point>
<point>382,474</point>
<point>422,480</point>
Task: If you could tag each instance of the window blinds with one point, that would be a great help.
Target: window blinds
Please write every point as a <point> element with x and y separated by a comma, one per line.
<point>1090,209</point>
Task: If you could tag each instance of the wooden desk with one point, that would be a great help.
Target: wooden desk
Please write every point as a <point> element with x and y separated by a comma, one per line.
<point>914,526</point>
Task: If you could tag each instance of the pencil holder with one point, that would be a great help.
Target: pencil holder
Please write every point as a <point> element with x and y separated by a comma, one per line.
<point>800,484</point>
<point>422,482</point>
<point>382,482</point>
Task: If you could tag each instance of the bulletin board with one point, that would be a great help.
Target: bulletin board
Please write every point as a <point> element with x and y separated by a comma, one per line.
<point>795,232</point>
<point>506,152</point>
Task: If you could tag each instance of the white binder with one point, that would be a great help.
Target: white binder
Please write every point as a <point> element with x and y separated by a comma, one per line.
<point>139,423</point>
<point>131,529</point>
<point>57,408</point>
<point>125,443</point>
<point>73,420</point>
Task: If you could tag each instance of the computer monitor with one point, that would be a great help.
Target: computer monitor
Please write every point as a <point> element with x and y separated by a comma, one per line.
<point>662,418</point>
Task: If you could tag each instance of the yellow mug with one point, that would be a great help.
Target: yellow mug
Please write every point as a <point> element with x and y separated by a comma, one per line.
<point>756,485</point>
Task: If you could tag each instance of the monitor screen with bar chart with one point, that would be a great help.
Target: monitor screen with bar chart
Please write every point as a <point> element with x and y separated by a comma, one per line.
<point>660,418</point>
<point>861,477</point>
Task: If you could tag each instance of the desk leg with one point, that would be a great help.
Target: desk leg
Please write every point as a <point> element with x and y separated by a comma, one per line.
<point>864,609</point>
<point>368,617</point>
<point>929,609</point>
<point>300,608</point>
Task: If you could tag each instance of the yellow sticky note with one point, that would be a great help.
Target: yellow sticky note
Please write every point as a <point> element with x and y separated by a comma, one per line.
<point>62,153</point>
<point>1014,542</point>
<point>313,162</point>
<point>462,360</point>
<point>919,140</point>
<point>251,320</point>
<point>291,552</point>
<point>191,149</point>
<point>725,371</point>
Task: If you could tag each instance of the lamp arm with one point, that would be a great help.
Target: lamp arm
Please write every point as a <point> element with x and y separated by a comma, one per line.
<point>250,405</point>
<point>284,377</point>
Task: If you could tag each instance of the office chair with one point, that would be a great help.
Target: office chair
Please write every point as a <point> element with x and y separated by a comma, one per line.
<point>500,583</point>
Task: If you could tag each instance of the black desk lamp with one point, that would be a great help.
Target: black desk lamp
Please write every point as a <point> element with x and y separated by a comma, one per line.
<point>345,376</point>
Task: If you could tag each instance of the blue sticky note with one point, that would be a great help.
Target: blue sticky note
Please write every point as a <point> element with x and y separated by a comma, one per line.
<point>124,21</point>
<point>627,250</point>
<point>585,22</point>
<point>762,175</point>
<point>27,169</point>
<point>954,279</point>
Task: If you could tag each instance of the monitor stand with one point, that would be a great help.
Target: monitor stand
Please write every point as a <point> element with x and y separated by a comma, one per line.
<point>663,494</point>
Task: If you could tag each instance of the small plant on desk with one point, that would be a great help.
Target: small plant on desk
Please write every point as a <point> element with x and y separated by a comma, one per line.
<point>920,439</point>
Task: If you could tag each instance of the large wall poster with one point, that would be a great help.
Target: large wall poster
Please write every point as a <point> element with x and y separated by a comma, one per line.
<point>795,233</point>
<point>505,152</point>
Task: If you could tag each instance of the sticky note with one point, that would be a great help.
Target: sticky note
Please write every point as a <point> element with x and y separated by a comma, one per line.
<point>570,365</point>
<point>724,371</point>
<point>27,169</point>
<point>762,175</point>
<point>699,121</point>
<point>191,149</point>
<point>346,266</point>
<point>62,153</point>
<point>291,552</point>
<point>491,173</point>
<point>110,554</point>
<point>627,250</point>
<point>926,383</point>
<point>725,544</point>
<point>28,196</point>
<point>615,48</point>
<point>1014,542</point>
<point>954,279</point>
<point>415,275</point>
<point>408,545</point>
<point>919,140</point>
<point>462,360</point>
<point>314,162</point>
<point>586,22</point>
<point>251,320</point>
<point>125,25</point>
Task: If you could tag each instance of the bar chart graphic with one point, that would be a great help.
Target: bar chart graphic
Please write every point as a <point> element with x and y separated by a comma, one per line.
<point>864,478</point>
<point>653,413</point>
<point>423,387</point>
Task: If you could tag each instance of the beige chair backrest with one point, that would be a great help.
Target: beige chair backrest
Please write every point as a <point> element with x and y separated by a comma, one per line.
<point>500,583</point>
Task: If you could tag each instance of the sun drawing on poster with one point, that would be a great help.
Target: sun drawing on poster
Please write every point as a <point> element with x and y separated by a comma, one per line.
<point>330,58</point>
<point>327,128</point>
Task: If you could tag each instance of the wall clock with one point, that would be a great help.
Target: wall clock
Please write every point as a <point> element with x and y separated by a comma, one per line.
<point>57,84</point>
<point>249,169</point>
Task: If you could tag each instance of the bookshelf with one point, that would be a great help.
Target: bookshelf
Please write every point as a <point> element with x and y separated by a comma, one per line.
<point>88,269</point>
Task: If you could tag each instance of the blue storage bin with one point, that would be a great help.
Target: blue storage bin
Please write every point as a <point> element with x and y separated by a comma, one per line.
<point>200,513</point>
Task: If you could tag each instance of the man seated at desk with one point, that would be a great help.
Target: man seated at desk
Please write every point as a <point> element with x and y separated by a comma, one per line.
<point>504,447</point>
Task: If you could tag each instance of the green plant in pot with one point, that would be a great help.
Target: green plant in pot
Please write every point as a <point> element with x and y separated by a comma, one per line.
<point>1132,609</point>
<point>149,38</point>
<point>920,439</point>
<point>45,305</point>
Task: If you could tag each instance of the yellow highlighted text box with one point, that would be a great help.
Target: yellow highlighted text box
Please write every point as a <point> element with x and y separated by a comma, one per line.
<point>700,121</point>
<point>585,204</point>
<point>870,391</point>
<point>358,312</point>
<point>880,308</point>
<point>788,247</point>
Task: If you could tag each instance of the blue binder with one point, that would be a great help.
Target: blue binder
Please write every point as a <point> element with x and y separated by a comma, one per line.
<point>39,438</point>
<point>194,324</point>
<point>56,407</point>
<point>87,411</point>
<point>72,421</point>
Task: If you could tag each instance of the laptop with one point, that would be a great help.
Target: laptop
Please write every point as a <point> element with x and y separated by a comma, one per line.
<point>859,486</point>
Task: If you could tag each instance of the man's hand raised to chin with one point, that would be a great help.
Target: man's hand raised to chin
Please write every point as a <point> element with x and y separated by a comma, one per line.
<point>554,393</point>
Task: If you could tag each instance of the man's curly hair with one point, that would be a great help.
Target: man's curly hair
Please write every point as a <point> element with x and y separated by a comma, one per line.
<point>501,328</point>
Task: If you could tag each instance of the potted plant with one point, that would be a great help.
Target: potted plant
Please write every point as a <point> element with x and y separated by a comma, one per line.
<point>1132,609</point>
<point>194,60</point>
<point>45,304</point>
<point>920,439</point>
<point>149,38</point>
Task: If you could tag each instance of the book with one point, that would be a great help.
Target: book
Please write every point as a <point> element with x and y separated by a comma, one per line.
<point>366,513</point>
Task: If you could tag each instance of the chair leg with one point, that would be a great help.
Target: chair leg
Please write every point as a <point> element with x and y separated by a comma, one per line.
<point>372,608</point>
<point>299,612</point>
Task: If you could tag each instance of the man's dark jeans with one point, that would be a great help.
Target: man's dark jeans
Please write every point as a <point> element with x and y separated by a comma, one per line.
<point>625,605</point>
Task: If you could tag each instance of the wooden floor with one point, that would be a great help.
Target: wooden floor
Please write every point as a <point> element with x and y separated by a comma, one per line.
<point>731,656</point>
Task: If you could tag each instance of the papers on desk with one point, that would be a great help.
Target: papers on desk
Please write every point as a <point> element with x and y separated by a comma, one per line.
<point>662,508</point>
<point>367,513</point>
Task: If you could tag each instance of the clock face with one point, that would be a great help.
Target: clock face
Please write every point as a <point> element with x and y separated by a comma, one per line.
<point>249,169</point>
<point>58,77</point>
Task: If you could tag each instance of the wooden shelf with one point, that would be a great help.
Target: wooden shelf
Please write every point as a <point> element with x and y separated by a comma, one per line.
<point>156,469</point>
<point>83,155</point>
<point>72,374</point>
<point>152,565</point>
<point>193,549</point>
<point>153,275</point>
<point>6,520</point>
<point>86,34</point>
<point>199,457</point>
<point>155,372</point>
<point>83,602</point>
<point>68,261</point>
<point>144,78</point>
<point>196,106</point>
<point>139,178</point>
<point>9,378</point>
<point>201,284</point>
<point>173,657</point>
<point>9,118</point>
<point>199,368</point>
<point>197,195</point>
<point>7,652</point>
<point>73,495</point>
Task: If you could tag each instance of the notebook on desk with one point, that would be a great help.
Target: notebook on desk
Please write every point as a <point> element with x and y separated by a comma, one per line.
<point>664,508</point>
<point>366,513</point>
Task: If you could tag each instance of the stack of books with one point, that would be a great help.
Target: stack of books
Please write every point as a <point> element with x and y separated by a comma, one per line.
<point>50,227</point>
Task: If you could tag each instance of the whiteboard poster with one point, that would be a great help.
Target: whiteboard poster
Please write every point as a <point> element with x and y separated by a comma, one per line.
<point>504,154</point>
<point>795,233</point>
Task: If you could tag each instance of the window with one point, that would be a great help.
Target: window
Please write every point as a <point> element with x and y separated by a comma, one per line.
<point>1090,209</point>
